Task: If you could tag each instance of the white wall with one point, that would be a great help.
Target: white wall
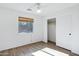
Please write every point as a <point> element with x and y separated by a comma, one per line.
<point>75,29</point>
<point>45,31</point>
<point>9,36</point>
<point>52,31</point>
<point>74,13</point>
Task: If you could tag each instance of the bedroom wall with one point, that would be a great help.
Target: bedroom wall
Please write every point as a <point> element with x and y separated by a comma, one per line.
<point>74,13</point>
<point>9,36</point>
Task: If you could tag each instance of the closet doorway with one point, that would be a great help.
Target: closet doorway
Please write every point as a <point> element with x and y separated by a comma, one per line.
<point>52,30</point>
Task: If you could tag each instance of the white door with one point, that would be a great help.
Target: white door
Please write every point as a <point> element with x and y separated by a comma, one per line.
<point>63,31</point>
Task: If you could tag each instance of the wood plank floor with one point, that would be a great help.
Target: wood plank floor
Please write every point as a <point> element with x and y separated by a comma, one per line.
<point>28,50</point>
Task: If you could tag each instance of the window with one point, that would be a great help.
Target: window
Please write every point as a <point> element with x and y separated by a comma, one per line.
<point>25,25</point>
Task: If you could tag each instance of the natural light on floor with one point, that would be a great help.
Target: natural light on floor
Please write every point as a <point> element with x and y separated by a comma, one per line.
<point>49,52</point>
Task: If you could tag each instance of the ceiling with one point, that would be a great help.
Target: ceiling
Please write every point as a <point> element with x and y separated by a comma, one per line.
<point>47,8</point>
